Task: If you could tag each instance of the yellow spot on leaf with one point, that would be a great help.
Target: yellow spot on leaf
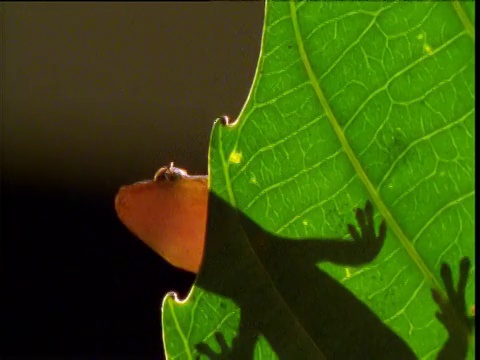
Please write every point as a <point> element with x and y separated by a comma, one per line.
<point>347,273</point>
<point>235,157</point>
<point>428,49</point>
<point>305,222</point>
<point>253,179</point>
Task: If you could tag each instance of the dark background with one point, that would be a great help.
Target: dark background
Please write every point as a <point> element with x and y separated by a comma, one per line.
<point>94,96</point>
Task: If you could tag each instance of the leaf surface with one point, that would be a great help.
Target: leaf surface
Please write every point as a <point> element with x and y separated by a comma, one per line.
<point>351,101</point>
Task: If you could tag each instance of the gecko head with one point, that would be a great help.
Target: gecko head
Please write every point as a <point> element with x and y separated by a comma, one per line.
<point>168,216</point>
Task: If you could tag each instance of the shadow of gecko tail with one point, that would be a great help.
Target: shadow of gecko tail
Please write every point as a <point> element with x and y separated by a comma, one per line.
<point>282,294</point>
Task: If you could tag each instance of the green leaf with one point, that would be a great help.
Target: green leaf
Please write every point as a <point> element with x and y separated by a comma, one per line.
<point>351,101</point>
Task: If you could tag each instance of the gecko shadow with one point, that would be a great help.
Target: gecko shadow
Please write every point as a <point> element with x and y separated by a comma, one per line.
<point>287,291</point>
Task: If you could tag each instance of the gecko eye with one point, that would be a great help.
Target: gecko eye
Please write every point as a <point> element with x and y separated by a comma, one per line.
<point>169,173</point>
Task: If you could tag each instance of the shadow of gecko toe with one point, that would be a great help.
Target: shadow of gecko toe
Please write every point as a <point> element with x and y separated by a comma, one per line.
<point>286,290</point>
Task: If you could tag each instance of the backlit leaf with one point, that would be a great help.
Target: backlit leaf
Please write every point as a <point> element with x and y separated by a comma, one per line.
<point>351,101</point>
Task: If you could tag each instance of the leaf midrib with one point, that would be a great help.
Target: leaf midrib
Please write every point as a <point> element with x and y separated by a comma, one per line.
<point>392,223</point>
<point>464,19</point>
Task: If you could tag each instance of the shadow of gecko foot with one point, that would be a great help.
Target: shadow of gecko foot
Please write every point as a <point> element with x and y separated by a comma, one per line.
<point>453,313</point>
<point>225,351</point>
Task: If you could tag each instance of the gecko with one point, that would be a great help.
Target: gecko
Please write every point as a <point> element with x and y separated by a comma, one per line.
<point>169,213</point>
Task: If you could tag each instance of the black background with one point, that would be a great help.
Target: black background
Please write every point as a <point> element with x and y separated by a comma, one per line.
<point>94,96</point>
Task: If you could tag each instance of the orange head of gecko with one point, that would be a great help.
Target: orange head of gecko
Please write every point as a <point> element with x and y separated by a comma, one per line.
<point>169,214</point>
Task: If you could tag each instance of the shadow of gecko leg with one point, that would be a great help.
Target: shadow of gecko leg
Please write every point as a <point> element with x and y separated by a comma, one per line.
<point>282,294</point>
